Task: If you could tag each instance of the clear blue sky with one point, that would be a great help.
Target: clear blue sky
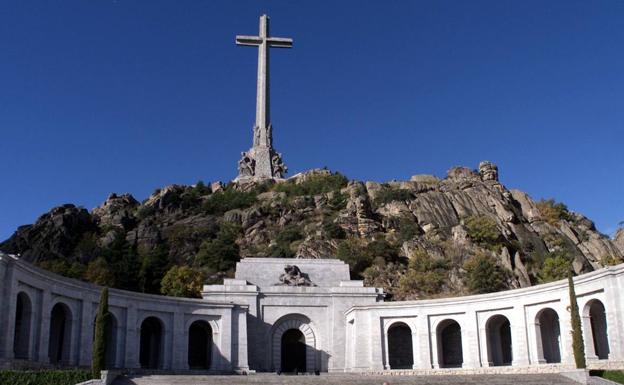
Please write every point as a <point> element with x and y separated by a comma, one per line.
<point>127,96</point>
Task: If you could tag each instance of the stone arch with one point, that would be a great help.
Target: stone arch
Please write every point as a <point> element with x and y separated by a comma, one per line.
<point>199,345</point>
<point>548,336</point>
<point>23,321</point>
<point>111,344</point>
<point>498,338</point>
<point>303,324</point>
<point>595,326</point>
<point>449,338</point>
<point>151,343</point>
<point>400,351</point>
<point>59,344</point>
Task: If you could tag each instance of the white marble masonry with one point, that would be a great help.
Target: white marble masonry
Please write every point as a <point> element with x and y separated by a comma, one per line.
<point>256,321</point>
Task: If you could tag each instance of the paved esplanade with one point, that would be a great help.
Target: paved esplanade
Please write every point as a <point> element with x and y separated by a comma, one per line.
<point>262,161</point>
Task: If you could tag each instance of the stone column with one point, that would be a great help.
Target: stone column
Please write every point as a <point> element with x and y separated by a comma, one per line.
<point>10,298</point>
<point>519,343</point>
<point>435,355</point>
<point>470,341</point>
<point>132,340</point>
<point>614,314</point>
<point>422,355</point>
<point>44,338</point>
<point>4,282</point>
<point>86,335</point>
<point>180,343</point>
<point>242,361</point>
<point>376,353</point>
<point>226,341</point>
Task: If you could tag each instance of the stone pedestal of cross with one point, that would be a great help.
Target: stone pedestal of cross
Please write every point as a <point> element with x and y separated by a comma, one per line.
<point>262,161</point>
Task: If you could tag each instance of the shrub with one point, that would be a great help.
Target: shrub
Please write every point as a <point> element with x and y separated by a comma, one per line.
<point>578,346</point>
<point>408,229</point>
<point>145,211</point>
<point>44,377</point>
<point>64,267</point>
<point>284,238</point>
<point>554,268</point>
<point>389,194</point>
<point>154,265</point>
<point>424,275</point>
<point>386,277</point>
<point>353,252</point>
<point>484,275</point>
<point>313,185</point>
<point>222,252</point>
<point>100,340</point>
<point>333,231</point>
<point>483,230</point>
<point>99,272</point>
<point>183,281</point>
<point>228,199</point>
<point>337,201</point>
<point>552,212</point>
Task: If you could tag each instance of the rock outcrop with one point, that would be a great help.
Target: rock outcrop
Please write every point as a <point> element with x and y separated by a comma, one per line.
<point>313,214</point>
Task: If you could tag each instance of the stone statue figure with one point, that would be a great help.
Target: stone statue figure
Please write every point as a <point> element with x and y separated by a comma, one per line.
<point>246,165</point>
<point>293,276</point>
<point>488,171</point>
<point>279,168</point>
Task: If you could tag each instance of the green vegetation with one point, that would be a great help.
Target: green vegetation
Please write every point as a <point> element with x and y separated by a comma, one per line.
<point>123,262</point>
<point>554,268</point>
<point>183,281</point>
<point>284,238</point>
<point>314,184</point>
<point>99,272</point>
<point>44,377</point>
<point>552,212</point>
<point>222,252</point>
<point>578,346</point>
<point>408,228</point>
<point>612,375</point>
<point>63,267</point>
<point>425,275</point>
<point>484,275</point>
<point>483,230</point>
<point>145,211</point>
<point>360,255</point>
<point>231,198</point>
<point>99,342</point>
<point>389,194</point>
<point>154,264</point>
<point>333,231</point>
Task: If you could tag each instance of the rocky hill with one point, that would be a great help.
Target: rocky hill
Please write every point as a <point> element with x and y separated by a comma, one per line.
<point>425,237</point>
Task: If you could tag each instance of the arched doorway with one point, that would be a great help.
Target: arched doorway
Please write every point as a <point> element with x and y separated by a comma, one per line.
<point>293,351</point>
<point>400,353</point>
<point>60,334</point>
<point>598,322</point>
<point>23,314</point>
<point>111,342</point>
<point>498,336</point>
<point>199,345</point>
<point>151,343</point>
<point>450,352</point>
<point>311,349</point>
<point>548,321</point>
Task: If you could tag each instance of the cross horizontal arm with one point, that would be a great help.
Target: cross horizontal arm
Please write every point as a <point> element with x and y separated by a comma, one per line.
<point>280,42</point>
<point>248,40</point>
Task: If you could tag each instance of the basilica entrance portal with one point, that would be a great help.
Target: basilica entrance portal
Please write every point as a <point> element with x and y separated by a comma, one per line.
<point>294,345</point>
<point>293,351</point>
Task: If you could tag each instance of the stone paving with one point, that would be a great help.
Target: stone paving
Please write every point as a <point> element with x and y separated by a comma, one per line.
<point>346,379</point>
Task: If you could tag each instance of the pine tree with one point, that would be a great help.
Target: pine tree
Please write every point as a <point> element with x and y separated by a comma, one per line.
<point>578,346</point>
<point>99,344</point>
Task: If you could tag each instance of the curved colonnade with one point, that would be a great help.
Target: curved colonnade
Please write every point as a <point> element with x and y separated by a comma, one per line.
<point>49,320</point>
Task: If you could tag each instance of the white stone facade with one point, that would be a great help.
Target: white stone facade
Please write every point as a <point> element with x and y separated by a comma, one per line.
<point>252,322</point>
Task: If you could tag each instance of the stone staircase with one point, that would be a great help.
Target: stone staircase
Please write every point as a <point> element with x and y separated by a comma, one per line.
<point>346,379</point>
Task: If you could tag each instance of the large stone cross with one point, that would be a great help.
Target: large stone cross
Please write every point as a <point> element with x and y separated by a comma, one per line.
<point>262,161</point>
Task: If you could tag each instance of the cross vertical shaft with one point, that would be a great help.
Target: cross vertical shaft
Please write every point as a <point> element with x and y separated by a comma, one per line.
<point>262,161</point>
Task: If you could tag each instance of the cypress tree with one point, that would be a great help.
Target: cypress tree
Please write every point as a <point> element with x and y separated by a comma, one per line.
<point>98,362</point>
<point>578,346</point>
